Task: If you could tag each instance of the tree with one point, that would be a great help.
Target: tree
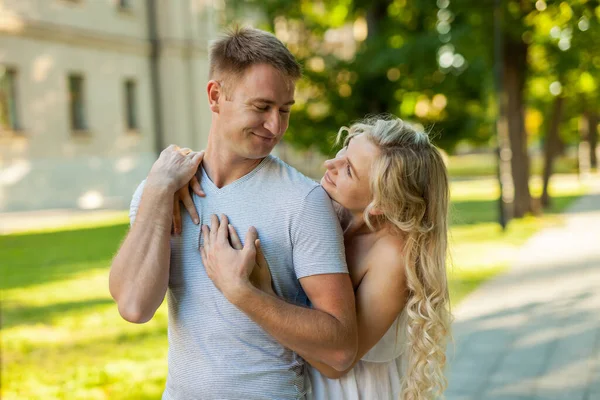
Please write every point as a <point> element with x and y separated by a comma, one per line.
<point>562,44</point>
<point>382,56</point>
<point>432,66</point>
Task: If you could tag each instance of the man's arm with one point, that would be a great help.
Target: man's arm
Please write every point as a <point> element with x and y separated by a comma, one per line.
<point>327,332</point>
<point>139,274</point>
<point>380,298</point>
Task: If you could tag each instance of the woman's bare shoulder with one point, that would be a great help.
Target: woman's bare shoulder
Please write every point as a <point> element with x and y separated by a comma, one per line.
<point>387,254</point>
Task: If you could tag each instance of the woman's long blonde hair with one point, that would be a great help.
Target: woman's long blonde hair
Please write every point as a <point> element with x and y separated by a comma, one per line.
<point>409,182</point>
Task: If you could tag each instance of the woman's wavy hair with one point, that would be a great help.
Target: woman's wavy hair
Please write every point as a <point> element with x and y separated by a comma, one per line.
<point>409,182</point>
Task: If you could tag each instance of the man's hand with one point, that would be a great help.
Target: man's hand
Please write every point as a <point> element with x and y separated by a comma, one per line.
<point>228,267</point>
<point>174,168</point>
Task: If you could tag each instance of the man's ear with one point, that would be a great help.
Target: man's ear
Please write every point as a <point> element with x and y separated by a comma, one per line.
<point>214,91</point>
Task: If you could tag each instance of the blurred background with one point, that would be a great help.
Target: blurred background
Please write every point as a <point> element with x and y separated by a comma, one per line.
<point>92,90</point>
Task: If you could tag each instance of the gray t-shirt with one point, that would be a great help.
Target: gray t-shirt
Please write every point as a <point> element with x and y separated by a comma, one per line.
<point>215,350</point>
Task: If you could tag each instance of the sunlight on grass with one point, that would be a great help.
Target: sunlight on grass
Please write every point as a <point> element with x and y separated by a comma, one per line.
<point>74,222</point>
<point>62,336</point>
<point>488,189</point>
<point>470,165</point>
<point>479,249</point>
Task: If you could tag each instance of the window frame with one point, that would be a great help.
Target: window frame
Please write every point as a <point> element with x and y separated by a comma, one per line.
<point>13,109</point>
<point>78,121</point>
<point>130,105</point>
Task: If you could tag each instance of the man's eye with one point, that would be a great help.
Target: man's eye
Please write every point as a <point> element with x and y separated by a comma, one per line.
<point>265,108</point>
<point>284,111</point>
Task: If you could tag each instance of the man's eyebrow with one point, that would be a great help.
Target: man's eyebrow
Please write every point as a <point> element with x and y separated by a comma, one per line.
<point>270,102</point>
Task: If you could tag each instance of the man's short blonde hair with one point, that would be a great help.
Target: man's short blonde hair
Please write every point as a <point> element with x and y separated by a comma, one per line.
<point>241,48</point>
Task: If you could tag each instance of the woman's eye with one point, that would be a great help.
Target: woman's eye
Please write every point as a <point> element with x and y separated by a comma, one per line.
<point>348,170</point>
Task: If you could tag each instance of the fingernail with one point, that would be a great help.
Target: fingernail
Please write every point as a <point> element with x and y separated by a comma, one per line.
<point>196,221</point>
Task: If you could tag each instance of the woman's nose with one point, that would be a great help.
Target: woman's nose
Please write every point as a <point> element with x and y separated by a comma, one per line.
<point>331,164</point>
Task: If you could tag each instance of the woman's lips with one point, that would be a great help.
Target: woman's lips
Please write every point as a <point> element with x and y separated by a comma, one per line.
<point>328,179</point>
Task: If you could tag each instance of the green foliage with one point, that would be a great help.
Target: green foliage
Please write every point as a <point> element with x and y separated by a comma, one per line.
<point>564,59</point>
<point>381,56</point>
<point>429,64</point>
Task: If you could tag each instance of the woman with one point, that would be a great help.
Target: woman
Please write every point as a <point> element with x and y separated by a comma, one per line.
<point>392,188</point>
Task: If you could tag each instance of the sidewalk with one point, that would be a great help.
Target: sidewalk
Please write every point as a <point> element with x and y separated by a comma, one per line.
<point>534,332</point>
<point>25,221</point>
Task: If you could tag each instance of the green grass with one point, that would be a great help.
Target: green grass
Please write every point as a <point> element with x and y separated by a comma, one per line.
<point>62,336</point>
<point>479,249</point>
<point>485,164</point>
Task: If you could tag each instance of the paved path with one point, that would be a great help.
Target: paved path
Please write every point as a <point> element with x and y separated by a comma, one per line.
<point>15,222</point>
<point>534,332</point>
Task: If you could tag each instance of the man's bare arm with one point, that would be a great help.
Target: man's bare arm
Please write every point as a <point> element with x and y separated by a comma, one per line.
<point>380,298</point>
<point>327,332</point>
<point>139,274</point>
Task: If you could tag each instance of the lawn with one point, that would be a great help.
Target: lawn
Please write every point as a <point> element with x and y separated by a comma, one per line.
<point>62,337</point>
<point>479,249</point>
<point>485,164</point>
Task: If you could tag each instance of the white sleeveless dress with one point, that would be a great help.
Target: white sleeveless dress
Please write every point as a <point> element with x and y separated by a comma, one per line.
<point>377,376</point>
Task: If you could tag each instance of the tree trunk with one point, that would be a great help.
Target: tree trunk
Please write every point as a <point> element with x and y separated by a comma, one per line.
<point>593,139</point>
<point>588,141</point>
<point>376,14</point>
<point>515,67</point>
<point>551,147</point>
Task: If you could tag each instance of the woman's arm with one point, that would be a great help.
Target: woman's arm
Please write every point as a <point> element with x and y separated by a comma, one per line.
<point>327,331</point>
<point>380,298</point>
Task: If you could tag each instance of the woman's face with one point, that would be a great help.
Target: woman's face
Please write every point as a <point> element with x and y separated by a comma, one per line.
<point>347,179</point>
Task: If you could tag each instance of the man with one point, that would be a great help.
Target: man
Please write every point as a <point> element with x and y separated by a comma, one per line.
<point>218,347</point>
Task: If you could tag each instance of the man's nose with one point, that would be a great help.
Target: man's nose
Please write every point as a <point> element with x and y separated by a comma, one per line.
<point>273,122</point>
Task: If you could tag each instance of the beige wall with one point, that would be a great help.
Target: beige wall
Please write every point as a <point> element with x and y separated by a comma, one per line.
<point>46,165</point>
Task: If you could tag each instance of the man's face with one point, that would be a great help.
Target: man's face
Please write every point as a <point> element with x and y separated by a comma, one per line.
<point>255,114</point>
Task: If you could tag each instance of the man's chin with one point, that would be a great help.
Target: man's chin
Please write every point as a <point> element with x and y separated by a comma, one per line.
<point>257,153</point>
<point>260,154</point>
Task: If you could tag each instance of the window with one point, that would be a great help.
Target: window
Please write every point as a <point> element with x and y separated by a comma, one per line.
<point>124,4</point>
<point>77,103</point>
<point>130,105</point>
<point>8,99</point>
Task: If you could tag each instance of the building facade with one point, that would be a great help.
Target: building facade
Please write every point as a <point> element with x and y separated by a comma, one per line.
<point>91,90</point>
